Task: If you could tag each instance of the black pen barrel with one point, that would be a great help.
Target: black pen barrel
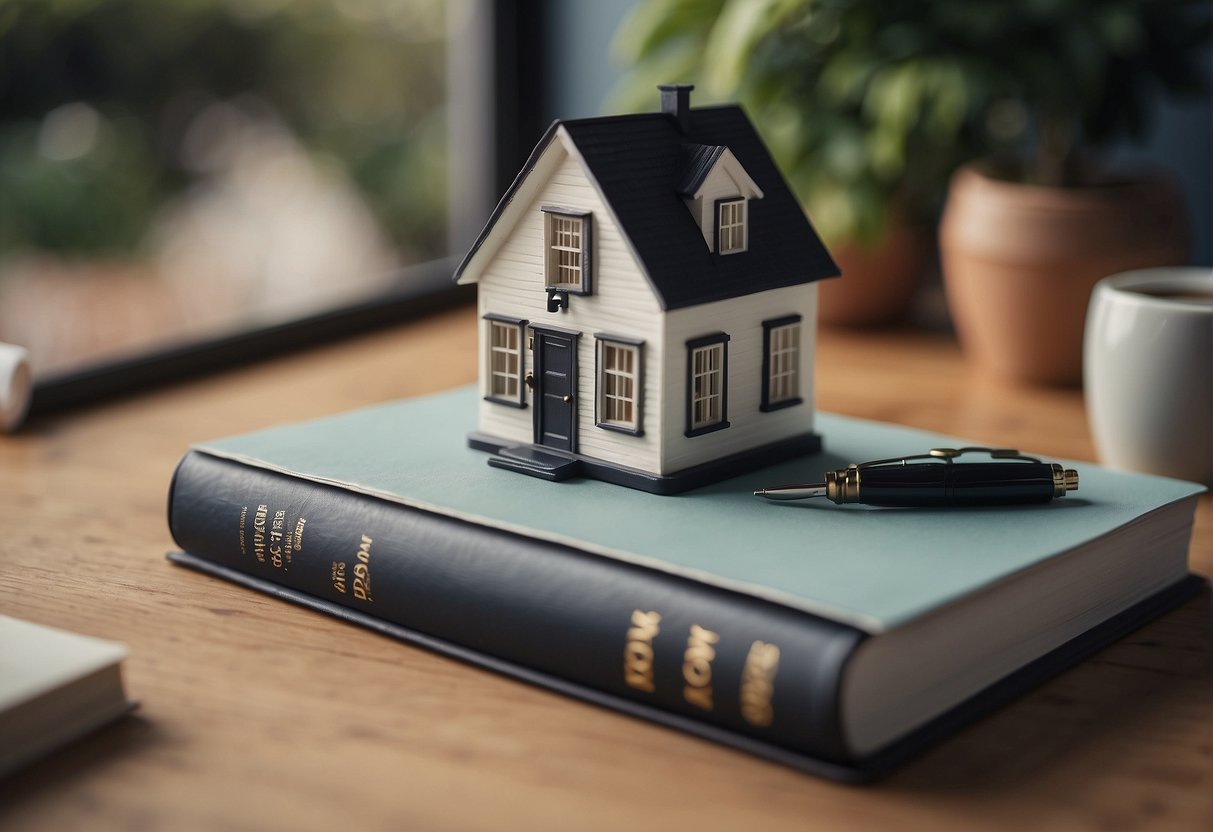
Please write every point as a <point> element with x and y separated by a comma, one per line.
<point>941,484</point>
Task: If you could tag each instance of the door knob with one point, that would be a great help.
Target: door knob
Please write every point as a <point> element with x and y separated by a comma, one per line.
<point>567,400</point>
<point>530,381</point>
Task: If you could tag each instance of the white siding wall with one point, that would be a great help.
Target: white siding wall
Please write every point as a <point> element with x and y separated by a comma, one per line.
<point>622,303</point>
<point>749,427</point>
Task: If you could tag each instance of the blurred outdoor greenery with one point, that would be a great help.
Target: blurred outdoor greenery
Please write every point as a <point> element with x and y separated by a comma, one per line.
<point>869,105</point>
<point>98,99</point>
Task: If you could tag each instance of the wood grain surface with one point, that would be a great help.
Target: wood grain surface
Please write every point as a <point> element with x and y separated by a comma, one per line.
<point>258,715</point>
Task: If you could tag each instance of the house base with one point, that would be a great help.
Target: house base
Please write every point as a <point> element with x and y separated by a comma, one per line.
<point>557,466</point>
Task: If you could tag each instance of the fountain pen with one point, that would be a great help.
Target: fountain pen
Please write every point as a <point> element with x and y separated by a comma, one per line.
<point>935,479</point>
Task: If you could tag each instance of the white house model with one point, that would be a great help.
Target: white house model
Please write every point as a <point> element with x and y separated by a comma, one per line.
<point>647,302</point>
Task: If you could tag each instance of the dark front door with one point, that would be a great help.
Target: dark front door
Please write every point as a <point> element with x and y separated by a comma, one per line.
<point>556,389</point>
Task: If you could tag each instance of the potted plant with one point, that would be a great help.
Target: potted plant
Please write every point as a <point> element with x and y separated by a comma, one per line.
<point>870,105</point>
<point>862,107</point>
<point>1030,228</point>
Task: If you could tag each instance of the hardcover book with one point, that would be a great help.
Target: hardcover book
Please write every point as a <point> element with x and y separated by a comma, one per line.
<point>55,686</point>
<point>839,639</point>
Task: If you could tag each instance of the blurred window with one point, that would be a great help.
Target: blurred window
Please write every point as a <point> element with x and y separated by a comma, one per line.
<point>176,171</point>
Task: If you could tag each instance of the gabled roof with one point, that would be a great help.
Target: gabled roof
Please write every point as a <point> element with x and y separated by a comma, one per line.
<point>639,166</point>
<point>697,162</point>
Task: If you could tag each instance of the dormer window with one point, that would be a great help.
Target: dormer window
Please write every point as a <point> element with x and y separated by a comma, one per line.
<point>717,191</point>
<point>730,226</point>
<point>567,251</point>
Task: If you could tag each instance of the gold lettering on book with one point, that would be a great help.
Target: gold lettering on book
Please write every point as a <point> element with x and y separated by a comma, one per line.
<point>276,526</point>
<point>362,571</point>
<point>243,518</point>
<point>697,667</point>
<point>758,683</point>
<point>297,541</point>
<point>638,654</point>
<point>259,531</point>
<point>339,576</point>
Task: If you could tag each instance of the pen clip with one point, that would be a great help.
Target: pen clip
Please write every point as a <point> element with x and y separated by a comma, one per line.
<point>946,455</point>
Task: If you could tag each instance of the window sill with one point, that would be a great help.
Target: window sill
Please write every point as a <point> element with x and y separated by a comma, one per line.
<point>506,402</point>
<point>620,429</point>
<point>786,403</point>
<point>706,429</point>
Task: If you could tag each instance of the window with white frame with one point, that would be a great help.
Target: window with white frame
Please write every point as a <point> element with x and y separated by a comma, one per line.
<point>567,256</point>
<point>505,361</point>
<point>781,363</point>
<point>707,384</point>
<point>619,385</point>
<point>731,226</point>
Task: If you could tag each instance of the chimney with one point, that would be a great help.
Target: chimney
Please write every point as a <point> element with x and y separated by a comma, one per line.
<point>676,103</point>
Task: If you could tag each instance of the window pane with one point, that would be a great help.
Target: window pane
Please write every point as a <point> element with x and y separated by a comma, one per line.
<point>731,226</point>
<point>505,360</point>
<point>617,384</point>
<point>707,385</point>
<point>784,362</point>
<point>564,254</point>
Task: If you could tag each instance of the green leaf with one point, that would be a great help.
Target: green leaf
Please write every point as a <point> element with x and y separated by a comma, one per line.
<point>651,25</point>
<point>845,78</point>
<point>894,97</point>
<point>887,152</point>
<point>736,32</point>
<point>949,100</point>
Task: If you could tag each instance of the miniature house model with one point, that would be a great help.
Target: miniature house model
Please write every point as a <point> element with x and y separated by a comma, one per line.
<point>647,303</point>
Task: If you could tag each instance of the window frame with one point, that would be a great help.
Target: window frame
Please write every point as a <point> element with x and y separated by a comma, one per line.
<point>769,328</point>
<point>720,205</point>
<point>585,250</point>
<point>695,345</point>
<point>504,323</point>
<point>604,341</point>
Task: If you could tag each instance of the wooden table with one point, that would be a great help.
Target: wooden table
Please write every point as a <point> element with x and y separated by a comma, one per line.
<point>259,715</point>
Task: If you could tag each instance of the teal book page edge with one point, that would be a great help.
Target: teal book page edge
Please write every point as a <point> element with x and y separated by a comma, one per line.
<point>872,568</point>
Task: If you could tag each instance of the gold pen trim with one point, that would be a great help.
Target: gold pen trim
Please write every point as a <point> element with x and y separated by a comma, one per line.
<point>842,486</point>
<point>1064,480</point>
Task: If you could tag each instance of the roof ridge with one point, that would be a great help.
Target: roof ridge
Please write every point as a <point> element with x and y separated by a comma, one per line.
<point>607,119</point>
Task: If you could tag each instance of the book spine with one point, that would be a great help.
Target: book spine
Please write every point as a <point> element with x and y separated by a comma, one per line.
<point>723,658</point>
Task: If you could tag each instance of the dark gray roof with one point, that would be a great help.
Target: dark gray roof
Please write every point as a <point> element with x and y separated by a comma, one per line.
<point>640,165</point>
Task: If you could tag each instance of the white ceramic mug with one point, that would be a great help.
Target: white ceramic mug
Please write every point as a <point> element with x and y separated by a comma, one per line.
<point>1148,371</point>
<point>16,386</point>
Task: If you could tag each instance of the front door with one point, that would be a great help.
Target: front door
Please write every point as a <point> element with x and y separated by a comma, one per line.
<point>556,389</point>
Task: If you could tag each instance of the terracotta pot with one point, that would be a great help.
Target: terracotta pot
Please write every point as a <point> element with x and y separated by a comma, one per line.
<point>1020,261</point>
<point>878,282</point>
